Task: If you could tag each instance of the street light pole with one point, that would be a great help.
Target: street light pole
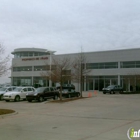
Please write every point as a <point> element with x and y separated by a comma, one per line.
<point>50,81</point>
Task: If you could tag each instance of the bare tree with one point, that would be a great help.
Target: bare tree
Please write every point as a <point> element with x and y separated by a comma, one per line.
<point>79,70</point>
<point>3,61</point>
<point>60,73</point>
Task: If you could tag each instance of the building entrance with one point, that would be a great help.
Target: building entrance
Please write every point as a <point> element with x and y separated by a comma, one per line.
<point>98,83</point>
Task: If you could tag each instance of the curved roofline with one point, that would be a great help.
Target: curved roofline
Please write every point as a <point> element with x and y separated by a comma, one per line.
<point>32,50</point>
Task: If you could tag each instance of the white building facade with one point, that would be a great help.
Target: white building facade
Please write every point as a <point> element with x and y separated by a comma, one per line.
<point>107,67</point>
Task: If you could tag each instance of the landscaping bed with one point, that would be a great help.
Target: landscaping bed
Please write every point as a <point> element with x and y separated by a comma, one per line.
<point>6,111</point>
<point>133,92</point>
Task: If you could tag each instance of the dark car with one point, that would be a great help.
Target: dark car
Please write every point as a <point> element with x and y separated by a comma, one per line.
<point>66,86</point>
<point>112,89</point>
<point>68,93</point>
<point>42,93</point>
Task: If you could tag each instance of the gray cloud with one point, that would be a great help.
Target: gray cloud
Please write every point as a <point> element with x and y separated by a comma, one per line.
<point>59,25</point>
<point>65,26</point>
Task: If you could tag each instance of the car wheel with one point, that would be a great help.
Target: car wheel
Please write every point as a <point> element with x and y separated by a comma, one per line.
<point>1,97</point>
<point>17,98</point>
<point>29,100</point>
<point>78,94</point>
<point>104,93</point>
<point>69,96</point>
<point>121,92</point>
<point>55,97</point>
<point>41,99</point>
<point>7,100</point>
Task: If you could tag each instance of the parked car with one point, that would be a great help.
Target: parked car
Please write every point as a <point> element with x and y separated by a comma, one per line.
<point>68,93</point>
<point>19,93</point>
<point>4,90</point>
<point>66,86</point>
<point>112,89</point>
<point>42,93</point>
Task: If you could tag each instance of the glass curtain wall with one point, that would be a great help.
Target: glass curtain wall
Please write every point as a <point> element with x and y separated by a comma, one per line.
<point>99,82</point>
<point>130,82</point>
<point>22,81</point>
<point>40,82</point>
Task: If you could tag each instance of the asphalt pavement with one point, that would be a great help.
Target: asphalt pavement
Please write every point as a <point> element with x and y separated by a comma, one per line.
<point>98,117</point>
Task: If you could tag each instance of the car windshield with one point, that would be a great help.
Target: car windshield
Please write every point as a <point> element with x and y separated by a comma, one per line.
<point>17,89</point>
<point>2,89</point>
<point>110,86</point>
<point>65,90</point>
<point>40,89</point>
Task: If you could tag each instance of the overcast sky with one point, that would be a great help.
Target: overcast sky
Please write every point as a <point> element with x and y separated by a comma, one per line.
<point>66,25</point>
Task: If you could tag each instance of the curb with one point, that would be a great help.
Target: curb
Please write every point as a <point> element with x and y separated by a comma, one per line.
<point>6,115</point>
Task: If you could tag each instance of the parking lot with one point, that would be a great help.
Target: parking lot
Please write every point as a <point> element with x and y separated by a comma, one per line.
<point>100,117</point>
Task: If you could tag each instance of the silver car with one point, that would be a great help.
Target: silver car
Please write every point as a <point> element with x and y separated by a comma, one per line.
<point>18,94</point>
<point>4,90</point>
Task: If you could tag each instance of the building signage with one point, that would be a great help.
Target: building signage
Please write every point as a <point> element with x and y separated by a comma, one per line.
<point>36,58</point>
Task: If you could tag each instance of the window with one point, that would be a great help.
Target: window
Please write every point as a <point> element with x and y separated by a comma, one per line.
<point>40,68</point>
<point>130,64</point>
<point>25,89</point>
<point>101,66</point>
<point>30,89</point>
<point>108,65</point>
<point>36,54</point>
<point>47,89</point>
<point>10,89</point>
<point>51,89</point>
<point>53,67</point>
<point>66,72</point>
<point>16,55</point>
<point>41,53</point>
<point>22,81</point>
<point>27,68</point>
<point>30,53</point>
<point>33,89</point>
<point>25,54</point>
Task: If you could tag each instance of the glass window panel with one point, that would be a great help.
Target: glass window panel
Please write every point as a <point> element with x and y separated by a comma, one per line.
<point>29,89</point>
<point>36,54</point>
<point>108,65</point>
<point>25,89</point>
<point>92,65</point>
<point>137,62</point>
<point>101,65</point>
<point>137,66</point>
<point>30,53</point>
<point>129,64</point>
<point>22,68</point>
<point>40,68</point>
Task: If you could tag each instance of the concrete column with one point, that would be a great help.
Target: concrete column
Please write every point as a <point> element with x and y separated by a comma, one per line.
<point>50,83</point>
<point>129,86</point>
<point>11,81</point>
<point>110,82</point>
<point>119,80</point>
<point>85,83</point>
<point>104,82</point>
<point>32,81</point>
<point>119,65</point>
<point>32,76</point>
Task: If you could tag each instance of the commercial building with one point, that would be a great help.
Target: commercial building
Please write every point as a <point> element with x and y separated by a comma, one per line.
<point>107,67</point>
